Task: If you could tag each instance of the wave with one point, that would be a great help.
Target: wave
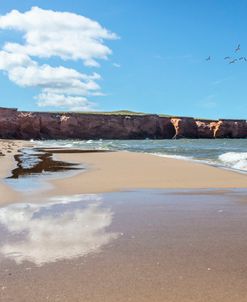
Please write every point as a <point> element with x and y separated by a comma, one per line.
<point>235,160</point>
<point>171,156</point>
<point>228,154</point>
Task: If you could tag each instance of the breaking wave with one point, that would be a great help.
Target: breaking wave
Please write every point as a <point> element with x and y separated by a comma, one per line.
<point>234,160</point>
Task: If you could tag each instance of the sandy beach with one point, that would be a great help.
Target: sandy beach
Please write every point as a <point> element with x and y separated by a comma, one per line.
<point>126,227</point>
<point>115,171</point>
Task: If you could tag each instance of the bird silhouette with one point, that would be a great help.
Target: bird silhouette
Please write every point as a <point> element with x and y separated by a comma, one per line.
<point>227,58</point>
<point>233,61</point>
<point>208,58</point>
<point>238,48</point>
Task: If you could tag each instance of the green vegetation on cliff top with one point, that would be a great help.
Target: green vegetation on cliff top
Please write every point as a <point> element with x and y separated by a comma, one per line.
<point>120,112</point>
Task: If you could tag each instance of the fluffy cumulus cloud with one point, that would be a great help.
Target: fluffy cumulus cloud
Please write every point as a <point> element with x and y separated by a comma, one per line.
<point>47,34</point>
<point>74,102</point>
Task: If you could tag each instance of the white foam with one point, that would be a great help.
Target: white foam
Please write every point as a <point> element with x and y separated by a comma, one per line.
<point>224,161</point>
<point>235,160</point>
<point>172,156</point>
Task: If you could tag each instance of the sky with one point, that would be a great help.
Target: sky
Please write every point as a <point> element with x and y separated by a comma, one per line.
<point>139,55</point>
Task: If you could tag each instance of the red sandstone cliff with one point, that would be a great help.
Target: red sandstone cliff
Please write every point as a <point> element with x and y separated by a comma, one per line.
<point>231,129</point>
<point>44,125</point>
<point>185,127</point>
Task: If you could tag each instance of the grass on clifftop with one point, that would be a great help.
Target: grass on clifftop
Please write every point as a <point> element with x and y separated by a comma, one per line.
<point>133,113</point>
<point>117,112</point>
<point>120,112</point>
<point>126,112</point>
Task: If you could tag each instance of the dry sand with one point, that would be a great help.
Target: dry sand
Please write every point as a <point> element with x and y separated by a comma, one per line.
<point>116,171</point>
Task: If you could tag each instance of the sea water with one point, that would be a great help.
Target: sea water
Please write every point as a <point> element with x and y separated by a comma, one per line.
<point>226,153</point>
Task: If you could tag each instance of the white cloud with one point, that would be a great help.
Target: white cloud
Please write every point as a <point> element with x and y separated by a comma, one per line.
<point>64,228</point>
<point>9,61</point>
<point>66,35</point>
<point>48,34</point>
<point>61,100</point>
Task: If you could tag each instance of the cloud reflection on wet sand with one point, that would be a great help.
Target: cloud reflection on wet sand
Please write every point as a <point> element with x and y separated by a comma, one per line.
<point>63,228</point>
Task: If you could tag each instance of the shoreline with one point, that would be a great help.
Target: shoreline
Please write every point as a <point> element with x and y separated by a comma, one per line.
<point>122,170</point>
<point>202,162</point>
<point>8,149</point>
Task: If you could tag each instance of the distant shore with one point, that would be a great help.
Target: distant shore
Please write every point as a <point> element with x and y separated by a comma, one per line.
<point>113,125</point>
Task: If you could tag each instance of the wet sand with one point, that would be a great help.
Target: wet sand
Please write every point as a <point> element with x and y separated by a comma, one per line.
<point>8,148</point>
<point>135,246</point>
<point>175,242</point>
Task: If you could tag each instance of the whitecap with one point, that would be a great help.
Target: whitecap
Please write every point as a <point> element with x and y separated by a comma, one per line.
<point>235,160</point>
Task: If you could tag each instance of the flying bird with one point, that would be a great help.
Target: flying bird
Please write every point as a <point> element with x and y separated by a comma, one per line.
<point>208,58</point>
<point>238,48</point>
<point>227,58</point>
<point>233,61</point>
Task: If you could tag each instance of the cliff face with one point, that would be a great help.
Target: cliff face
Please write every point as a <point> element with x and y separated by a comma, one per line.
<point>185,127</point>
<point>44,125</point>
<point>231,129</point>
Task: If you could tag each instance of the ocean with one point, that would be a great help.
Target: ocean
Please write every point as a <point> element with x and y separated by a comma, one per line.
<point>225,153</point>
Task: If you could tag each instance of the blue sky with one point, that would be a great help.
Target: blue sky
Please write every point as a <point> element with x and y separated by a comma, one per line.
<point>158,60</point>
